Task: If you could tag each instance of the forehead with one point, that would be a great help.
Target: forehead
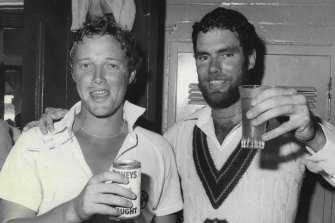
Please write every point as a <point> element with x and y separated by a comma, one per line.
<point>99,46</point>
<point>216,39</point>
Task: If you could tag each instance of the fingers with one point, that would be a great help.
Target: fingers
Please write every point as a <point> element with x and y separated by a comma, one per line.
<point>113,200</point>
<point>51,115</point>
<point>49,122</point>
<point>110,189</point>
<point>286,127</point>
<point>46,122</point>
<point>108,176</point>
<point>103,209</point>
<point>55,113</point>
<point>30,125</point>
<point>286,103</point>
<point>43,126</point>
<point>99,197</point>
<point>86,209</point>
<point>113,185</point>
<point>290,110</point>
<point>273,92</point>
<point>110,194</point>
<point>281,102</point>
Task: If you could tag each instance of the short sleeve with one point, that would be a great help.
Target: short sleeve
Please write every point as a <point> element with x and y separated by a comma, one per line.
<point>170,200</point>
<point>19,182</point>
<point>171,135</point>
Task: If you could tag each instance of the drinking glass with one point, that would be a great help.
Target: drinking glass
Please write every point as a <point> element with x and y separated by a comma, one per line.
<point>251,135</point>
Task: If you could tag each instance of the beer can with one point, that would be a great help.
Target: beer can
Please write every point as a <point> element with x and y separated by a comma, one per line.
<point>131,169</point>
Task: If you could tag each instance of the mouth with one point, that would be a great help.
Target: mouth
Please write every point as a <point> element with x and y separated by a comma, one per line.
<point>218,84</point>
<point>99,93</point>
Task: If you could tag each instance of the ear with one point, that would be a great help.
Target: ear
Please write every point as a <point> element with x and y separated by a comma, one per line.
<point>132,77</point>
<point>252,59</point>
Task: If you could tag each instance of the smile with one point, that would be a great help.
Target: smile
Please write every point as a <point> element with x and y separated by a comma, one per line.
<point>99,93</point>
<point>217,82</point>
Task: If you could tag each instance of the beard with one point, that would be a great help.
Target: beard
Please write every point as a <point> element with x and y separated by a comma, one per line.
<point>218,99</point>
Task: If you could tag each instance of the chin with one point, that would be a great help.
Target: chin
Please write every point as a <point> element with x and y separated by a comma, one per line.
<point>102,114</point>
<point>101,111</point>
<point>220,100</point>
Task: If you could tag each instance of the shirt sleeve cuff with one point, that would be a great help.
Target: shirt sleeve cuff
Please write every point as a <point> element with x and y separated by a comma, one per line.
<point>324,159</point>
<point>166,211</point>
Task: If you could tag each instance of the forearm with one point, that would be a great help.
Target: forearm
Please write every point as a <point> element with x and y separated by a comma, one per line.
<point>171,218</point>
<point>63,213</point>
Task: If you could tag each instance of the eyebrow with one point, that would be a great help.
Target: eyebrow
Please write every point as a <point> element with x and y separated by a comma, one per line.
<point>196,54</point>
<point>228,49</point>
<point>107,58</point>
<point>112,58</point>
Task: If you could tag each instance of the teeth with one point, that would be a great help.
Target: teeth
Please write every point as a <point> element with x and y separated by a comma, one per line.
<point>216,82</point>
<point>99,92</point>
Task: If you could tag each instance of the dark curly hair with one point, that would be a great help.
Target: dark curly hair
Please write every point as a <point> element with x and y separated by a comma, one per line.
<point>105,25</point>
<point>228,19</point>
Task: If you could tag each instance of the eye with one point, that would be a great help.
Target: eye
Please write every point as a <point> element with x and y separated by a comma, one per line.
<point>203,57</point>
<point>226,55</point>
<point>85,66</point>
<point>111,67</point>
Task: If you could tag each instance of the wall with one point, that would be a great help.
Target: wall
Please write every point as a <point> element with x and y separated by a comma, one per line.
<point>5,58</point>
<point>275,21</point>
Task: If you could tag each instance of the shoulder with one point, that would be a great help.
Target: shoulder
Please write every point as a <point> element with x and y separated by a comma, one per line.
<point>33,135</point>
<point>25,150</point>
<point>150,136</point>
<point>189,120</point>
<point>155,141</point>
<point>34,140</point>
<point>180,128</point>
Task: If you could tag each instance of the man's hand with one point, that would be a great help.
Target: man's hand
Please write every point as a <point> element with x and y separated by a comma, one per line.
<point>46,122</point>
<point>99,197</point>
<point>276,102</point>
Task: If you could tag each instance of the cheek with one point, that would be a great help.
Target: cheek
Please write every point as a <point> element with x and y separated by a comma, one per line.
<point>202,68</point>
<point>117,84</point>
<point>201,75</point>
<point>119,79</point>
<point>228,65</point>
<point>231,69</point>
<point>80,88</point>
<point>81,84</point>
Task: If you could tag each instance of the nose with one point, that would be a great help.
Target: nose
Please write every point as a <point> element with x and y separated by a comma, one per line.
<point>98,77</point>
<point>214,66</point>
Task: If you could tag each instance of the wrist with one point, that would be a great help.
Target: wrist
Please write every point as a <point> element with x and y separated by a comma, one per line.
<point>312,137</point>
<point>318,141</point>
<point>70,214</point>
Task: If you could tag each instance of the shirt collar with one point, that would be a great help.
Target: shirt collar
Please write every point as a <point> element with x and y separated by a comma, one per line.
<point>131,113</point>
<point>205,122</point>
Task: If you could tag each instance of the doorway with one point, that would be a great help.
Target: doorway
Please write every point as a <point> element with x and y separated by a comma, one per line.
<point>11,50</point>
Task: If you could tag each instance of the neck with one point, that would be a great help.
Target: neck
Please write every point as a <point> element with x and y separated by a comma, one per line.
<point>231,112</point>
<point>103,127</point>
<point>225,119</point>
